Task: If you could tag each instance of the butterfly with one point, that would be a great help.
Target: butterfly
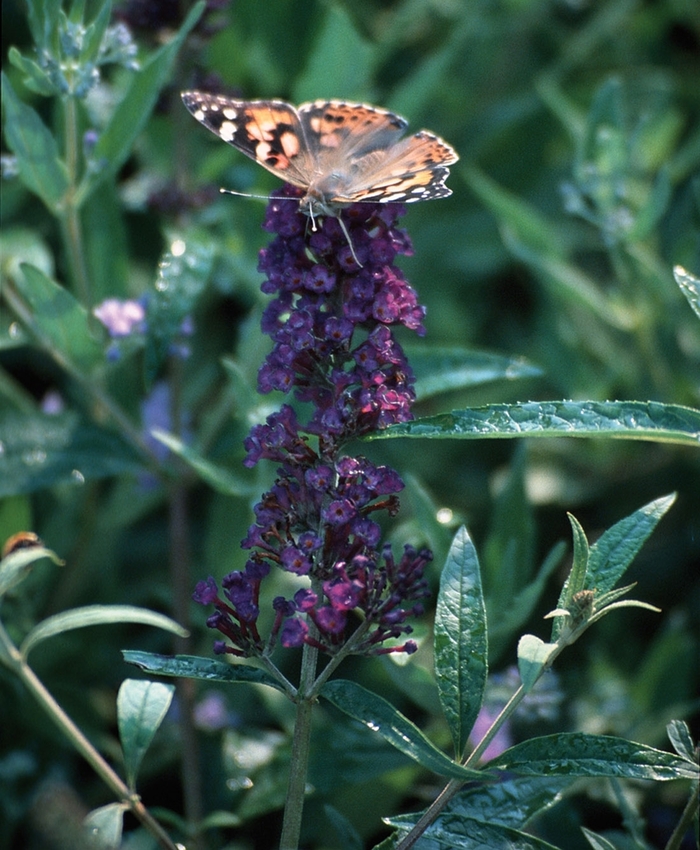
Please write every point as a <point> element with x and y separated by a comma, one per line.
<point>338,153</point>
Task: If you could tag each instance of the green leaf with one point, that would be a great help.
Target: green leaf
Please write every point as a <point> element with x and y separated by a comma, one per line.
<point>40,165</point>
<point>461,650</point>
<point>94,33</point>
<point>183,273</point>
<point>452,831</point>
<point>132,113</point>
<point>627,420</point>
<point>97,615</point>
<point>380,716</point>
<point>332,74</point>
<point>568,282</point>
<point>512,802</point>
<point>531,227</point>
<point>690,287</point>
<point>508,551</point>
<point>442,369</point>
<point>220,479</point>
<point>14,568</point>
<point>597,842</point>
<point>653,209</point>
<point>141,707</point>
<point>59,320</point>
<point>105,825</point>
<point>348,837</point>
<point>580,754</point>
<point>195,667</point>
<point>681,739</point>
<point>43,451</point>
<point>615,550</point>
<point>36,79</point>
<point>533,655</point>
<point>576,580</point>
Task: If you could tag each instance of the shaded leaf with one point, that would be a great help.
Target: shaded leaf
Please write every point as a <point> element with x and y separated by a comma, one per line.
<point>220,479</point>
<point>97,615</point>
<point>42,451</point>
<point>141,707</point>
<point>105,825</point>
<point>325,75</point>
<point>183,273</point>
<point>59,320</point>
<point>442,369</point>
<point>132,113</point>
<point>40,165</point>
<point>15,566</point>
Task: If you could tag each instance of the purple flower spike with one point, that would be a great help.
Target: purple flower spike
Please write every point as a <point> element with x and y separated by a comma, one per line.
<point>336,297</point>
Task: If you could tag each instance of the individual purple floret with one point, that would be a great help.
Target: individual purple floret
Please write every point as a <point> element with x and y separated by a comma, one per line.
<point>337,296</point>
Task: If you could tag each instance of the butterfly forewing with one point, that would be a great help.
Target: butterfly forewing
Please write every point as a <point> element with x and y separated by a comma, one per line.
<point>267,131</point>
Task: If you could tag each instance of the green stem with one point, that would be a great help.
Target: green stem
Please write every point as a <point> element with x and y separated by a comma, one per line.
<point>15,662</point>
<point>684,824</point>
<point>454,785</point>
<point>296,790</point>
<point>71,226</point>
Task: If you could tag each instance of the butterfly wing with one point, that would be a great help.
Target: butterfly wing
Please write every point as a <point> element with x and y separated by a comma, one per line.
<point>268,131</point>
<point>414,169</point>
<point>360,155</point>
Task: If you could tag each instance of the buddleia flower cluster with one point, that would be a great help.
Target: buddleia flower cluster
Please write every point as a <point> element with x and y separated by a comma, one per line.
<point>336,297</point>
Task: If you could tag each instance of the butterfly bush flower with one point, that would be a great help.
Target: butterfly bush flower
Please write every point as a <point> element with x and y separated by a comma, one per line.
<point>337,296</point>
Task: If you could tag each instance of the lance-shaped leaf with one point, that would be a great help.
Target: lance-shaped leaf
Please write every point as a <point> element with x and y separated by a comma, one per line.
<point>615,550</point>
<point>194,667</point>
<point>581,754</point>
<point>134,110</point>
<point>380,716</point>
<point>14,567</point>
<point>461,651</point>
<point>624,420</point>
<point>97,615</point>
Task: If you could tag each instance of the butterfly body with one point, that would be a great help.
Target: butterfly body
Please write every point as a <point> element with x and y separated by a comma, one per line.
<point>338,153</point>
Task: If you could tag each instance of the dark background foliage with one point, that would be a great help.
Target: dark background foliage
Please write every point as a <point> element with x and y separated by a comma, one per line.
<point>575,195</point>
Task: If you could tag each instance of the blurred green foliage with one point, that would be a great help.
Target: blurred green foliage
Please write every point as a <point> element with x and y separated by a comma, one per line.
<point>577,192</point>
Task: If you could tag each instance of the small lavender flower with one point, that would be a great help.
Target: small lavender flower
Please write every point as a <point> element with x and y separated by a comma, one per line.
<point>121,317</point>
<point>330,322</point>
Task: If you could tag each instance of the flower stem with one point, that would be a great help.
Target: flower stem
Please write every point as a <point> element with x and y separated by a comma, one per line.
<point>296,789</point>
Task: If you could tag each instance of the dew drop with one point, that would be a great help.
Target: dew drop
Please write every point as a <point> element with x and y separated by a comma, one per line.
<point>77,477</point>
<point>444,516</point>
<point>178,247</point>
<point>35,457</point>
<point>240,783</point>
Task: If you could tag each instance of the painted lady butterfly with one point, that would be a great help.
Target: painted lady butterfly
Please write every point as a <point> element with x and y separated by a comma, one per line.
<point>338,153</point>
